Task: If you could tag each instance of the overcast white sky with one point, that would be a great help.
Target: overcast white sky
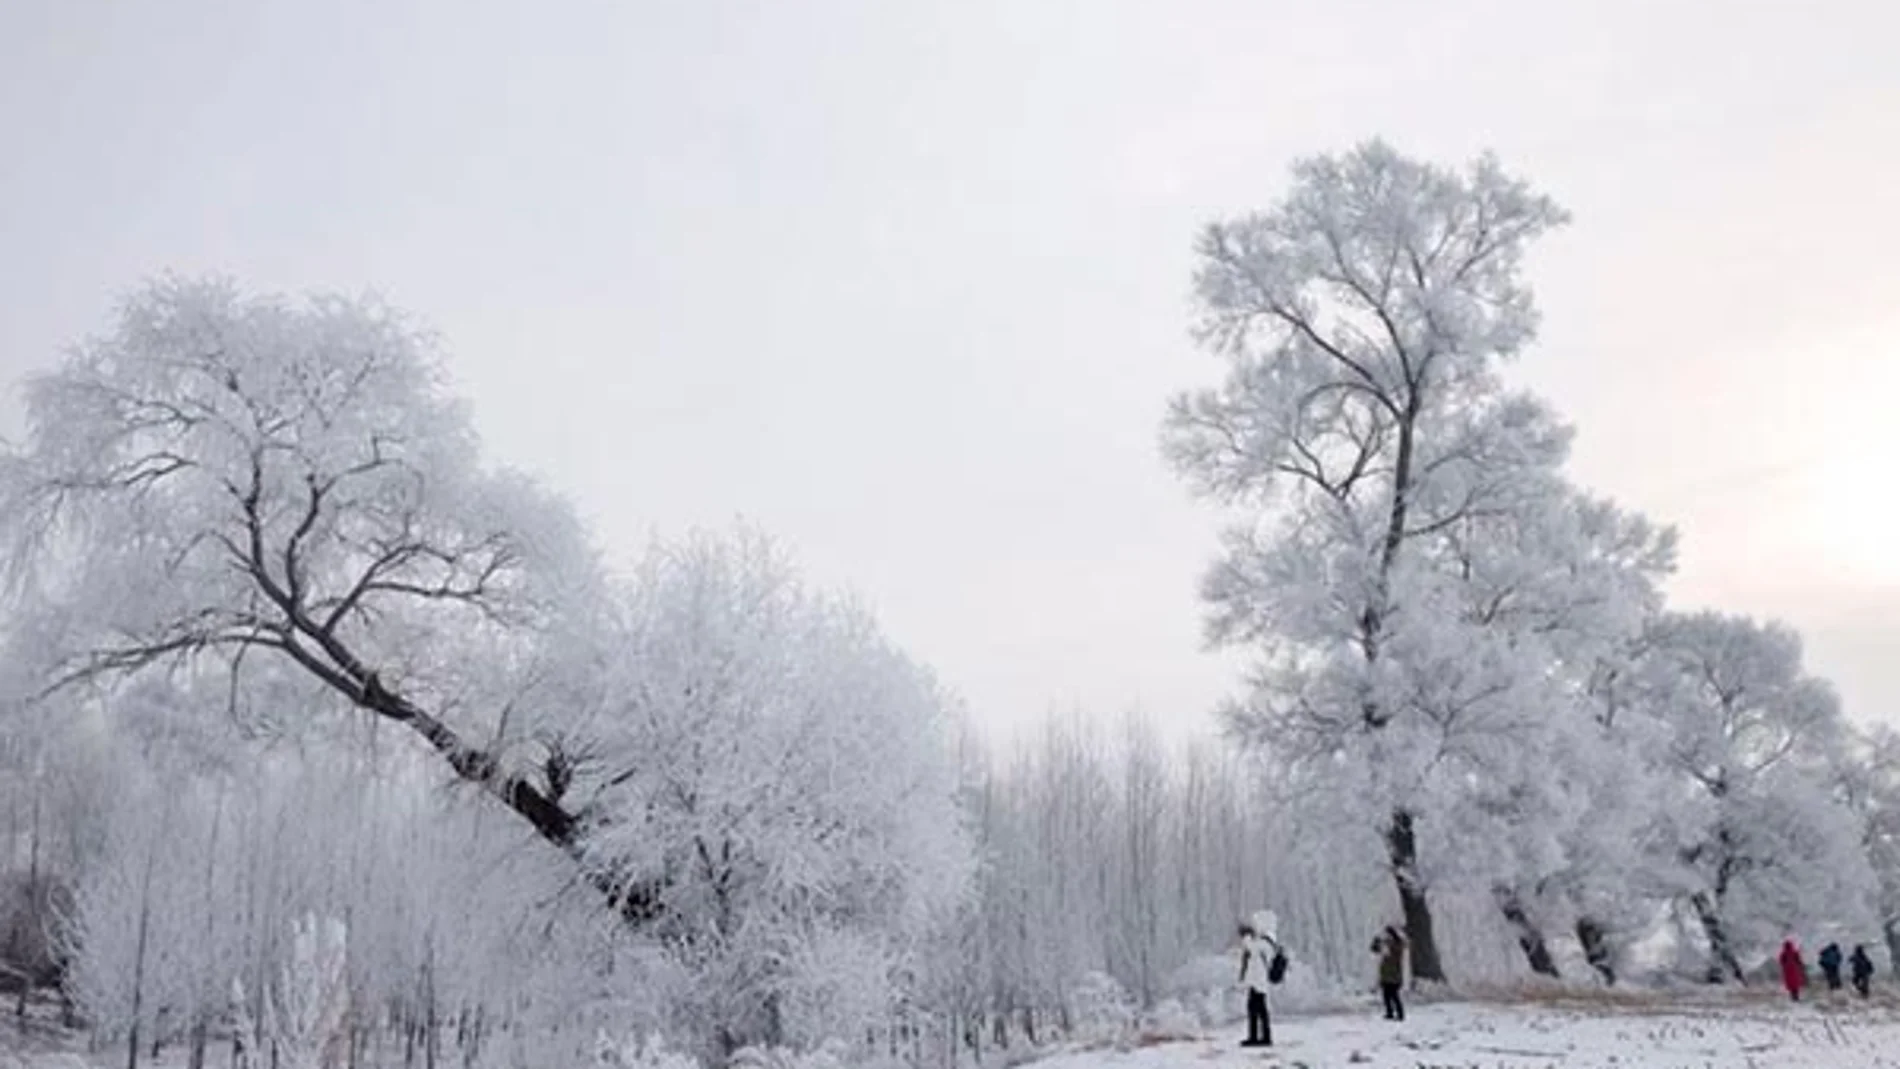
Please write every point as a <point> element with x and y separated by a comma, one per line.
<point>906,283</point>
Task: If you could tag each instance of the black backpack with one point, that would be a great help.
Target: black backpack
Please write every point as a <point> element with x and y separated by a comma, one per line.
<point>1276,968</point>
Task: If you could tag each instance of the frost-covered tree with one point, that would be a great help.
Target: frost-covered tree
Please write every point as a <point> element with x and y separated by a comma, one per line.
<point>128,918</point>
<point>1762,846</point>
<point>47,807</point>
<point>305,1008</point>
<point>1364,320</point>
<point>793,789</point>
<point>1870,785</point>
<point>1551,590</point>
<point>1603,886</point>
<point>226,480</point>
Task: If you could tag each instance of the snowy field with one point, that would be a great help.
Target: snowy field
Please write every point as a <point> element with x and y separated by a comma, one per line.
<point>1536,1035</point>
<point>1646,1032</point>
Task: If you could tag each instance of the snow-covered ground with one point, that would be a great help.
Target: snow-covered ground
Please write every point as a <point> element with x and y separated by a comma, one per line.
<point>1644,1032</point>
<point>1535,1035</point>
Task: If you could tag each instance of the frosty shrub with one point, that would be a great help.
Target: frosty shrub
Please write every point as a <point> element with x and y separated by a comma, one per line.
<point>1305,990</point>
<point>1103,1011</point>
<point>832,1054</point>
<point>636,1052</point>
<point>1207,986</point>
<point>1169,1019</point>
<point>30,909</point>
<point>837,982</point>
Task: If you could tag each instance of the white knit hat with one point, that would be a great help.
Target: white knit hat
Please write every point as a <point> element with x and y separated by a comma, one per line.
<point>1267,923</point>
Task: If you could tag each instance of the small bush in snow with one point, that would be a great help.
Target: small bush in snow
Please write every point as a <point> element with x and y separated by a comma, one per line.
<point>1306,991</point>
<point>1205,986</point>
<point>1170,1019</point>
<point>631,1052</point>
<point>1103,1010</point>
<point>833,1054</point>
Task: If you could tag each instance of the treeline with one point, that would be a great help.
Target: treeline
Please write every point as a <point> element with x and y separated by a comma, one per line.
<point>194,897</point>
<point>1117,863</point>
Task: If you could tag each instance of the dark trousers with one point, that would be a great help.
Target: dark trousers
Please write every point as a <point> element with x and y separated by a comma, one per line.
<point>1259,1025</point>
<point>1394,1007</point>
<point>1860,985</point>
<point>1833,977</point>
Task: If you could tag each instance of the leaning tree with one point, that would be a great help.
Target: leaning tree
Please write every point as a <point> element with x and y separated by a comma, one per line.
<point>276,489</point>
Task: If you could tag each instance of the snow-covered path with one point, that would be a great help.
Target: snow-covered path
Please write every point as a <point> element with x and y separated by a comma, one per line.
<point>1467,1036</point>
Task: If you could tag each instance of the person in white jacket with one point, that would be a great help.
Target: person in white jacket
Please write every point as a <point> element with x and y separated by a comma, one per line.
<point>1259,944</point>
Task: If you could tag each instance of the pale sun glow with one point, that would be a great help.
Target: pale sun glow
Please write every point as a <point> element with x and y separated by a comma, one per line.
<point>1851,501</point>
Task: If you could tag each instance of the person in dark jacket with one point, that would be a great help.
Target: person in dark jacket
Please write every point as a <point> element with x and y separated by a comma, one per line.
<point>1794,971</point>
<point>1830,962</point>
<point>1863,969</point>
<point>1390,947</point>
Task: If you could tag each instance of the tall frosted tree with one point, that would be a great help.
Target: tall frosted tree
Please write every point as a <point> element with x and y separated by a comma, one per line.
<point>1364,320</point>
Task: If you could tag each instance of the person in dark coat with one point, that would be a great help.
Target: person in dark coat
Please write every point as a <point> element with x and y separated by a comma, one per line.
<point>1794,971</point>
<point>1862,967</point>
<point>1830,962</point>
<point>1390,947</point>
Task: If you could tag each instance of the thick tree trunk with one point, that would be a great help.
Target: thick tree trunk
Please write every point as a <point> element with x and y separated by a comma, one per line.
<point>312,642</point>
<point>1596,948</point>
<point>544,813</point>
<point>1400,837</point>
<point>1721,951</point>
<point>1402,845</point>
<point>1529,938</point>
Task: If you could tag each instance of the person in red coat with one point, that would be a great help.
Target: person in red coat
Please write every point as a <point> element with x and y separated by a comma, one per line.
<point>1794,972</point>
